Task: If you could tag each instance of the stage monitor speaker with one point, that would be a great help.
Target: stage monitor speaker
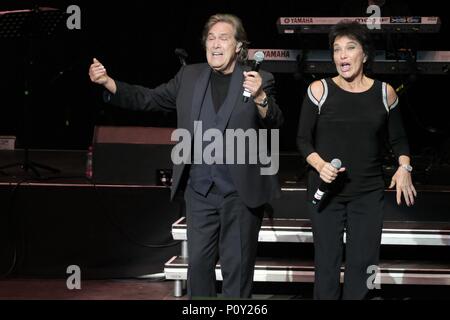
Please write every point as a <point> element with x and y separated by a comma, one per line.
<point>132,155</point>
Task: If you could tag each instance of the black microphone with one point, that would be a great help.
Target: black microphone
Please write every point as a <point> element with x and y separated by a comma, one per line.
<point>258,59</point>
<point>323,187</point>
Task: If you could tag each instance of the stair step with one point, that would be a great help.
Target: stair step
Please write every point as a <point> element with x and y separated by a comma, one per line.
<point>288,270</point>
<point>299,230</point>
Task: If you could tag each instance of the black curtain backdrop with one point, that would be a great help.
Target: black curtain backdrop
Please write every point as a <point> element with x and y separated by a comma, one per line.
<point>136,40</point>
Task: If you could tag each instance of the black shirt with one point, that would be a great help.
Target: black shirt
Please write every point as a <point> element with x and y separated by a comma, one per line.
<point>353,128</point>
<point>219,88</point>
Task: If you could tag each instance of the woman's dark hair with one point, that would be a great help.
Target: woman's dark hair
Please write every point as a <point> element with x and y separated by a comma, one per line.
<point>356,31</point>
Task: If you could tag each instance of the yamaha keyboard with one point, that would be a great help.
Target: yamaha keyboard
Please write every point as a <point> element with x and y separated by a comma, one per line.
<point>319,62</point>
<point>398,24</point>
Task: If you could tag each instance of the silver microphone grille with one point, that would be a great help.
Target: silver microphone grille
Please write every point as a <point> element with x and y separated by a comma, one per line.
<point>259,56</point>
<point>336,163</point>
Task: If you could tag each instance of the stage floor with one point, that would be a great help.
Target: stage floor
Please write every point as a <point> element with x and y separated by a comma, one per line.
<point>147,289</point>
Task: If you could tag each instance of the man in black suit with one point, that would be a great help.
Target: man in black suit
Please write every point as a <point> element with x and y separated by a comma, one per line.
<point>224,200</point>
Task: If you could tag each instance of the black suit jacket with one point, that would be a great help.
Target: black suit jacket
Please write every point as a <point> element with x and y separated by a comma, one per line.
<point>185,93</point>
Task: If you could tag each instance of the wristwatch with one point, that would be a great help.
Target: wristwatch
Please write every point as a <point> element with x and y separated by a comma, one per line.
<point>263,103</point>
<point>407,167</point>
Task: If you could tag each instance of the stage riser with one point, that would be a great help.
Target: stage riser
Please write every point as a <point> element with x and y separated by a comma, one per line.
<point>60,226</point>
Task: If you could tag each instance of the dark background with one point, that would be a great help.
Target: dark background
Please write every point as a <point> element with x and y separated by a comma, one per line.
<point>136,40</point>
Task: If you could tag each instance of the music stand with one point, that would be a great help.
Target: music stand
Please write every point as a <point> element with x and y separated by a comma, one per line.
<point>29,24</point>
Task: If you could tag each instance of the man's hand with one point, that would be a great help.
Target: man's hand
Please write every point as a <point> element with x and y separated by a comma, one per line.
<point>98,74</point>
<point>253,83</point>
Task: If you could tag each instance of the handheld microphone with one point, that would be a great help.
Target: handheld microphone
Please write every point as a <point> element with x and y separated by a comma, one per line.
<point>336,163</point>
<point>258,59</point>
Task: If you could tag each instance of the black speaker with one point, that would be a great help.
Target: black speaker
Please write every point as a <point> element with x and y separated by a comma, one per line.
<point>132,155</point>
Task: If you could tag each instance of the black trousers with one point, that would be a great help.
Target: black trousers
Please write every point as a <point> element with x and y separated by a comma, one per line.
<point>362,218</point>
<point>224,227</point>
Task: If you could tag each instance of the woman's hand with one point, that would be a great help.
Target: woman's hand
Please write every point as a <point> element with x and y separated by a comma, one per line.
<point>328,173</point>
<point>403,182</point>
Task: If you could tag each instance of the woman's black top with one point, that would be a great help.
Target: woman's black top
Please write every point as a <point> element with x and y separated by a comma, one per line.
<point>352,127</point>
